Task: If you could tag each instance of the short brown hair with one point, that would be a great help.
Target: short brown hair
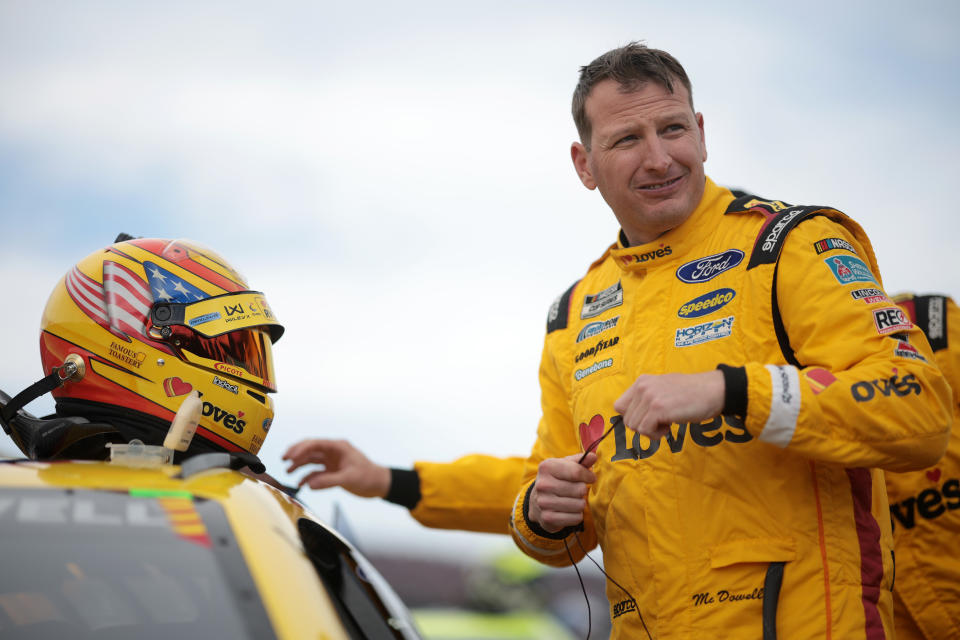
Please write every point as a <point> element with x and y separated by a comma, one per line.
<point>631,66</point>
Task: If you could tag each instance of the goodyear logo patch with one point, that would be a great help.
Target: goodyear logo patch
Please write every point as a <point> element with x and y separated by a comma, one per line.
<point>706,304</point>
<point>700,333</point>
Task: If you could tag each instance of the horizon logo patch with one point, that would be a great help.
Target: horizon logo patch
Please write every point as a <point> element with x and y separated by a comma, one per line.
<point>594,305</point>
<point>847,269</point>
<point>709,267</point>
<point>700,333</point>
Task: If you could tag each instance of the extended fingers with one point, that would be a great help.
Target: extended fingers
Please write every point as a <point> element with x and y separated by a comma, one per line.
<point>314,452</point>
<point>321,479</point>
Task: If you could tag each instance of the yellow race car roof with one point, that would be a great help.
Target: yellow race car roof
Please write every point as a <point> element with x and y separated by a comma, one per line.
<point>92,547</point>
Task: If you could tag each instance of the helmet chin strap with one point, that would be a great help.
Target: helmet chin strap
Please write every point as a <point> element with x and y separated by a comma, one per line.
<point>72,370</point>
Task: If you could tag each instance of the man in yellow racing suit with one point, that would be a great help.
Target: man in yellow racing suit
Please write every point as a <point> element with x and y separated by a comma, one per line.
<point>476,493</point>
<point>749,365</point>
<point>925,504</point>
<point>701,526</point>
<point>744,358</point>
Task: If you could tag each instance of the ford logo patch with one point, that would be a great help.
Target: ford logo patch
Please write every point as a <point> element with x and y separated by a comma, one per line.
<point>703,269</point>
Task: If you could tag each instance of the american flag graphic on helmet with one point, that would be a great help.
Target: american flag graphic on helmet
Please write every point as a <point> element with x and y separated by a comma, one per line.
<point>167,287</point>
<point>121,304</point>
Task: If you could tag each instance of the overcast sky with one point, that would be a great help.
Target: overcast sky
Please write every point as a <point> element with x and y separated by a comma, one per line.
<point>396,178</point>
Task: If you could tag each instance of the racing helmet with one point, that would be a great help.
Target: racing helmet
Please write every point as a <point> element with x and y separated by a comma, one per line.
<point>152,320</point>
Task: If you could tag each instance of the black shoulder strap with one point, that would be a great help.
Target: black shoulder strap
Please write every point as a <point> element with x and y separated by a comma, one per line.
<point>931,317</point>
<point>769,242</point>
<point>560,310</point>
<point>766,250</point>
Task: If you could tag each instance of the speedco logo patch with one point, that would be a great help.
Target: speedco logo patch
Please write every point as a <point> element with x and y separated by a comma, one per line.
<point>700,333</point>
<point>597,303</point>
<point>594,328</point>
<point>580,374</point>
<point>704,269</point>
<point>707,303</point>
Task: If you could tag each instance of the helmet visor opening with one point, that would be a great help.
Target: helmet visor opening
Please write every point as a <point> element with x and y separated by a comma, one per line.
<point>249,349</point>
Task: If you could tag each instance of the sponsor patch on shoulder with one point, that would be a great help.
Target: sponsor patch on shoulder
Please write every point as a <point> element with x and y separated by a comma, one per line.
<point>890,320</point>
<point>705,332</point>
<point>847,269</point>
<point>819,379</point>
<point>597,303</point>
<point>906,350</point>
<point>829,244</point>
<point>869,296</point>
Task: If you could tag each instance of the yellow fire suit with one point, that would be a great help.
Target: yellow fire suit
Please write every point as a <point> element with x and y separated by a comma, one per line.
<point>476,493</point>
<point>925,505</point>
<point>771,519</point>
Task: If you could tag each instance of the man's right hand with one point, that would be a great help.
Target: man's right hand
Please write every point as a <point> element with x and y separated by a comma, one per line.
<point>560,491</point>
<point>344,466</point>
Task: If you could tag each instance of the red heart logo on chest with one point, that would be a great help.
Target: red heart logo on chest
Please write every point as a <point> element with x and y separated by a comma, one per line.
<point>590,432</point>
<point>934,475</point>
<point>176,387</point>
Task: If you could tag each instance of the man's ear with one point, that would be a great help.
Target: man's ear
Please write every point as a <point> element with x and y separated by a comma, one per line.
<point>703,137</point>
<point>581,163</point>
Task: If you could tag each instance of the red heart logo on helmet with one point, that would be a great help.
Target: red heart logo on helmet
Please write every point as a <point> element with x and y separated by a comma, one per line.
<point>934,475</point>
<point>176,387</point>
